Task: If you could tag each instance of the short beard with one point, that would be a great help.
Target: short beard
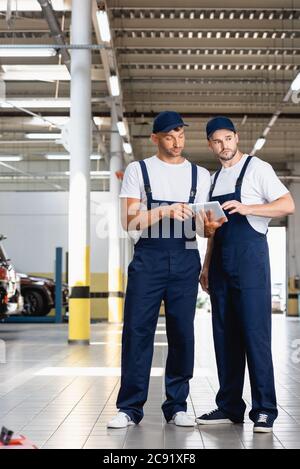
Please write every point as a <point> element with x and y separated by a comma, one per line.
<point>229,158</point>
<point>167,152</point>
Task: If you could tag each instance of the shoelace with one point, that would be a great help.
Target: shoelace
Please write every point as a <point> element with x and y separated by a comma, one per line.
<point>262,418</point>
<point>212,411</point>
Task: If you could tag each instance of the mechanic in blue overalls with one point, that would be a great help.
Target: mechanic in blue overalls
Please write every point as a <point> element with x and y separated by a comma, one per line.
<point>166,266</point>
<point>236,273</point>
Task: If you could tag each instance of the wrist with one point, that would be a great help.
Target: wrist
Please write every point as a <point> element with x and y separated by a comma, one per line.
<point>250,209</point>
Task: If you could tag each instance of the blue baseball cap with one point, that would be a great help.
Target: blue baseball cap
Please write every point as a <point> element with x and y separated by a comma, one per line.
<point>219,123</point>
<point>166,121</point>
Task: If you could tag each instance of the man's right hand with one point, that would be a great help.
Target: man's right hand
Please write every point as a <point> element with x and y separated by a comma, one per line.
<point>179,212</point>
<point>204,280</point>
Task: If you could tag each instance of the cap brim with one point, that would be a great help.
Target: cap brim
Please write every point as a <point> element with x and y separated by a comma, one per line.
<point>173,126</point>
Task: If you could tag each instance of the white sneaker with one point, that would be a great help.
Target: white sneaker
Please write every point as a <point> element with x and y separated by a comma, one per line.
<point>121,420</point>
<point>181,419</point>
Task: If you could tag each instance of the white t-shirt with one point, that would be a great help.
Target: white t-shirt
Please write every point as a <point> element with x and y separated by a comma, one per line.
<point>260,186</point>
<point>169,182</point>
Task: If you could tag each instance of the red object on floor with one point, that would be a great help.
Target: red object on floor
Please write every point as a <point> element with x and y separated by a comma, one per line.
<point>18,442</point>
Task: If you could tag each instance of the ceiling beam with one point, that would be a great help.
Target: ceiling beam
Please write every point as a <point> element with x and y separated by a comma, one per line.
<point>224,25</point>
<point>242,59</point>
<point>31,25</point>
<point>185,43</point>
<point>191,74</point>
<point>204,4</point>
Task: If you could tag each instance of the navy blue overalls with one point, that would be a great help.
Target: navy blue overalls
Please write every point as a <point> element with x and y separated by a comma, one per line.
<point>166,266</point>
<point>240,291</point>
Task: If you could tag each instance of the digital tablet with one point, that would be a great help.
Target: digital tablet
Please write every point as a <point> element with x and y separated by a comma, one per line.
<point>214,207</point>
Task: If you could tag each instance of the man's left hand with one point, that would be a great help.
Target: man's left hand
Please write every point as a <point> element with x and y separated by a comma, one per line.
<point>236,207</point>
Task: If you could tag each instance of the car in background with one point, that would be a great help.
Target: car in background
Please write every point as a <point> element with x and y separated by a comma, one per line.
<point>39,295</point>
<point>11,301</point>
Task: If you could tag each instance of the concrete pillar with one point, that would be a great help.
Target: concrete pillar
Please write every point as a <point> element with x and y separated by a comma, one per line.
<point>293,237</point>
<point>115,271</point>
<point>79,201</point>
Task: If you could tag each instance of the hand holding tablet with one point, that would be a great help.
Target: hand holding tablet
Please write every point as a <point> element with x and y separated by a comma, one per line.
<point>213,207</point>
<point>211,216</point>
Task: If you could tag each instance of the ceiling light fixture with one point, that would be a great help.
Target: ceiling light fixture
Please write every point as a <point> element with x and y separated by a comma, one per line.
<point>103,23</point>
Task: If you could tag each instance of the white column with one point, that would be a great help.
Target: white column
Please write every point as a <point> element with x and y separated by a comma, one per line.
<point>115,271</point>
<point>79,201</point>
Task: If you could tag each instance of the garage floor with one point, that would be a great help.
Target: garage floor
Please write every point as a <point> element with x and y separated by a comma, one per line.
<point>62,396</point>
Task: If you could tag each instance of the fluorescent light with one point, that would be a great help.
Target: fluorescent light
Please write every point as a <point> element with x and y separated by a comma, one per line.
<point>103,24</point>
<point>33,5</point>
<point>259,143</point>
<point>57,157</point>
<point>35,73</point>
<point>121,129</point>
<point>295,86</point>
<point>11,158</point>
<point>127,148</point>
<point>98,121</point>
<point>27,52</point>
<point>36,103</point>
<point>100,173</point>
<point>114,85</point>
<point>40,136</point>
<point>96,157</point>
<point>66,157</point>
<point>273,120</point>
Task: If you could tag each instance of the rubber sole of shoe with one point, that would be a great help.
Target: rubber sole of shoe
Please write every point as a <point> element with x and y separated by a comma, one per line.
<point>262,430</point>
<point>214,422</point>
<point>178,425</point>
<point>129,424</point>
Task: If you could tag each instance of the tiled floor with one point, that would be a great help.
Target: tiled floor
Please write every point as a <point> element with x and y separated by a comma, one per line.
<point>61,396</point>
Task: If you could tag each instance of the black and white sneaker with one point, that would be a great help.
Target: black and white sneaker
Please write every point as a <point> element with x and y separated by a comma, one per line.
<point>263,424</point>
<point>215,417</point>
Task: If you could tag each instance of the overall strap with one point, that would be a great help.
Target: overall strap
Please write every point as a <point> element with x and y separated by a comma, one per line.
<point>146,181</point>
<point>212,188</point>
<point>194,183</point>
<point>239,181</point>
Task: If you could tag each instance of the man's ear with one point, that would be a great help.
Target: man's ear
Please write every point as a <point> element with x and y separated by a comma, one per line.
<point>209,145</point>
<point>154,139</point>
<point>237,138</point>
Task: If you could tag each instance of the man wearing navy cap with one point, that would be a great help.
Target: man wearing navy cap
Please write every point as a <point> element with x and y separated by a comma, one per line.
<point>166,266</point>
<point>236,274</point>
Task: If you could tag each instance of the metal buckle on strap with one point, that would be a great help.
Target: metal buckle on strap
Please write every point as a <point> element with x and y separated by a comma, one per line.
<point>193,193</point>
<point>147,189</point>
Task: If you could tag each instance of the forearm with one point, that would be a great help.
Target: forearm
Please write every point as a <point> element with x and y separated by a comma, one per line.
<point>276,209</point>
<point>142,219</point>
